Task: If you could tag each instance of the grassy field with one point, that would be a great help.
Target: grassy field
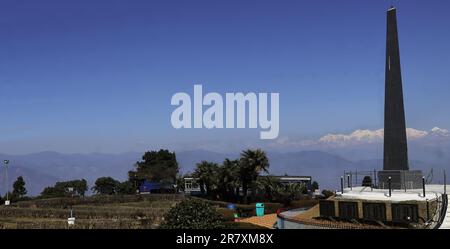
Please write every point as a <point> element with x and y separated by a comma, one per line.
<point>97,212</point>
<point>112,212</point>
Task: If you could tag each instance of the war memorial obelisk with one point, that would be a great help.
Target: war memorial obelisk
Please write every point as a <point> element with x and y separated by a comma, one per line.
<point>395,162</point>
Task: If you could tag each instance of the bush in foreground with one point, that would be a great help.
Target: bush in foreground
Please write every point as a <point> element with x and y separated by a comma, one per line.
<point>193,214</point>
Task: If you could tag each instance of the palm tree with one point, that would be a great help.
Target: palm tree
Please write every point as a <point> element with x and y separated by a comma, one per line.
<point>206,173</point>
<point>293,191</point>
<point>229,179</point>
<point>251,163</point>
<point>270,186</point>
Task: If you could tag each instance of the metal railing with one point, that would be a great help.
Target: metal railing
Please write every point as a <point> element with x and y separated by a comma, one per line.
<point>443,211</point>
<point>356,178</point>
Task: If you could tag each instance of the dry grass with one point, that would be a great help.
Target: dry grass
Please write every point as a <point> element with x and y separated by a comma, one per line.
<point>98,212</point>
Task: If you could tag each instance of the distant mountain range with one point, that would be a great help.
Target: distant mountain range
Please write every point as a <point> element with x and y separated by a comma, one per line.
<point>45,168</point>
<point>324,159</point>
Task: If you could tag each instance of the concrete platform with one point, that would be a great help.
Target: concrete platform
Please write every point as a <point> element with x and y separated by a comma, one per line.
<point>366,193</point>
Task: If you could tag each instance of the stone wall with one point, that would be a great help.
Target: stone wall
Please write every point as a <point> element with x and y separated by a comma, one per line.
<point>421,208</point>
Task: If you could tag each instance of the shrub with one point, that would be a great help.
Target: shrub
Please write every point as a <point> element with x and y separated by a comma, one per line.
<point>126,188</point>
<point>367,181</point>
<point>327,193</point>
<point>193,214</point>
<point>227,214</point>
<point>248,210</point>
<point>271,208</point>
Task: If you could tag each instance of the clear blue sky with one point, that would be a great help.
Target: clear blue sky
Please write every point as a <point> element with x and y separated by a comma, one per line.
<point>97,76</point>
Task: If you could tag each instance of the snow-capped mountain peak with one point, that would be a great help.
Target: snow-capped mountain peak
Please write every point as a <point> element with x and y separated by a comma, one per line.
<point>415,134</point>
<point>436,131</point>
<point>372,136</point>
<point>356,136</point>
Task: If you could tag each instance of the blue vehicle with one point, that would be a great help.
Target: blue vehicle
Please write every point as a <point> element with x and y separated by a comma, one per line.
<point>147,187</point>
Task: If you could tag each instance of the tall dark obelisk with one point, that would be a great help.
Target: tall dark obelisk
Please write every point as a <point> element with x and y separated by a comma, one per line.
<point>395,145</point>
<point>395,162</point>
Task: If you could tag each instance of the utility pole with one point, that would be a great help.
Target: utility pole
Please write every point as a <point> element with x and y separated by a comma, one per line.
<point>375,177</point>
<point>7,201</point>
<point>423,186</point>
<point>71,219</point>
<point>389,184</point>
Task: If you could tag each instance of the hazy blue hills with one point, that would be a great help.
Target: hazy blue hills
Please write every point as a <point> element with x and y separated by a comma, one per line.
<point>45,168</point>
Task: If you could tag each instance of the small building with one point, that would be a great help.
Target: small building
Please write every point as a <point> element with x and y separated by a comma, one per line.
<point>191,186</point>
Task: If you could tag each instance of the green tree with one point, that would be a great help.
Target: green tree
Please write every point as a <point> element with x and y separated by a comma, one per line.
<point>51,192</point>
<point>126,188</point>
<point>252,163</point>
<point>206,174</point>
<point>275,191</point>
<point>80,186</point>
<point>61,189</point>
<point>19,190</point>
<point>106,186</point>
<point>228,179</point>
<point>270,186</point>
<point>314,186</point>
<point>193,214</point>
<point>293,192</point>
<point>156,166</point>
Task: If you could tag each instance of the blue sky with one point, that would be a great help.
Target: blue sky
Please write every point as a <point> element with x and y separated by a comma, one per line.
<point>98,76</point>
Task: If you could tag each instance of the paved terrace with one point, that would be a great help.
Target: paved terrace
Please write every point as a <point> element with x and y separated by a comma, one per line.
<point>431,192</point>
<point>267,220</point>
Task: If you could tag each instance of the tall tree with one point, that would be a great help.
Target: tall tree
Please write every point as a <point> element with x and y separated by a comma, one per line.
<point>79,186</point>
<point>252,163</point>
<point>156,166</point>
<point>228,179</point>
<point>106,186</point>
<point>270,186</point>
<point>19,189</point>
<point>314,186</point>
<point>206,174</point>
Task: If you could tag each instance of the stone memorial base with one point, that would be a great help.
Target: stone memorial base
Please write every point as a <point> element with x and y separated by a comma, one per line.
<point>400,179</point>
